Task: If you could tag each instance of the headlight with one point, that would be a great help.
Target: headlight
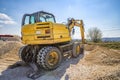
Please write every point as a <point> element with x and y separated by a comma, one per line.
<point>38,32</point>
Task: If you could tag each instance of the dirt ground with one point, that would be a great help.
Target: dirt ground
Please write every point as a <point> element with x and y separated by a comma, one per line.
<point>8,53</point>
<point>97,63</point>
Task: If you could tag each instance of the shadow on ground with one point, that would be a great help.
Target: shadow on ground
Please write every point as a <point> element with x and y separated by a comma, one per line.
<point>19,73</point>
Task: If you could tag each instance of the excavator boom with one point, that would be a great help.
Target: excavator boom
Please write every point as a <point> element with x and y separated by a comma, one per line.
<point>78,23</point>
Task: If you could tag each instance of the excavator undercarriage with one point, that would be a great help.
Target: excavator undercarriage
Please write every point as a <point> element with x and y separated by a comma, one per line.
<point>48,57</point>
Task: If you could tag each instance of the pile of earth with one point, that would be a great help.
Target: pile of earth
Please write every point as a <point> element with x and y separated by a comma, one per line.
<point>8,53</point>
<point>102,55</point>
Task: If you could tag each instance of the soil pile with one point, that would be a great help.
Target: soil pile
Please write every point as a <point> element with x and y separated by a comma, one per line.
<point>102,55</point>
<point>89,47</point>
<point>9,53</point>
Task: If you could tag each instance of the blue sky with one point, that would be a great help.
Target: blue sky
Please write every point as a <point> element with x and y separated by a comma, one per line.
<point>104,14</point>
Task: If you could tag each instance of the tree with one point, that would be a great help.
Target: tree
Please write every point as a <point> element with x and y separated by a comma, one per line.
<point>94,34</point>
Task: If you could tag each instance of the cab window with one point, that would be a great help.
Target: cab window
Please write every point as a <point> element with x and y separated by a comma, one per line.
<point>32,20</point>
<point>27,18</point>
<point>42,19</point>
<point>46,18</point>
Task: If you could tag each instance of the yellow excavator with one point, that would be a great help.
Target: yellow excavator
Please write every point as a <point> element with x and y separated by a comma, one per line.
<point>47,42</point>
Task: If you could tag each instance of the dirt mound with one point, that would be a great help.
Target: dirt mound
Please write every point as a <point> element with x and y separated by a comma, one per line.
<point>99,64</point>
<point>8,46</point>
<point>102,55</point>
<point>112,76</point>
<point>13,38</point>
<point>89,47</point>
<point>2,43</point>
<point>8,53</point>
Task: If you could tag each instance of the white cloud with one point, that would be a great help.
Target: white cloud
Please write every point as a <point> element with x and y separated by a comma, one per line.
<point>5,19</point>
<point>7,22</point>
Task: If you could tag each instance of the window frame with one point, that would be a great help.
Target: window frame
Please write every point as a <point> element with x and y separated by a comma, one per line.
<point>37,16</point>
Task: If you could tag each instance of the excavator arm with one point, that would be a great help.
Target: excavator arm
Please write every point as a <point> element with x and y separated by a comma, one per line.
<point>79,23</point>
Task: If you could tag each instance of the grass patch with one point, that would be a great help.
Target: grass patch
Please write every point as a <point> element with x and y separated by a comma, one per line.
<point>111,45</point>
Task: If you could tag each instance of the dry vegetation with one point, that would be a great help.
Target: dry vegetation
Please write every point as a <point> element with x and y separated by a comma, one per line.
<point>110,45</point>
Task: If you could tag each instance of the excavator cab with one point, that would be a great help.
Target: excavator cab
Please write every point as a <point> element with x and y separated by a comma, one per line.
<point>40,16</point>
<point>41,28</point>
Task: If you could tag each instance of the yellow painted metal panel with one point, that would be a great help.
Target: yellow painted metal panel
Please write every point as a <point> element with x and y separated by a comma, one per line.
<point>32,42</point>
<point>58,33</point>
<point>61,40</point>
